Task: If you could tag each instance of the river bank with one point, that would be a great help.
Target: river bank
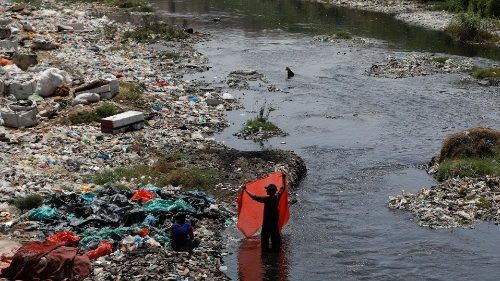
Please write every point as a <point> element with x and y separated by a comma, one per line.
<point>66,153</point>
<point>413,12</point>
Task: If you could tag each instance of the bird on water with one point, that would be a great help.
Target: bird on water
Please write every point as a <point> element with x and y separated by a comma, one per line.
<point>289,72</point>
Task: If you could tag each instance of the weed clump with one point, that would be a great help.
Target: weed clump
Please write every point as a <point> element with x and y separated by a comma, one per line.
<point>341,34</point>
<point>440,60</point>
<point>129,91</point>
<point>28,202</point>
<point>102,111</point>
<point>154,31</point>
<point>481,73</point>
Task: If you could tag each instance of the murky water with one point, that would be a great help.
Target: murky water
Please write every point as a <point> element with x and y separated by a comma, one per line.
<point>363,139</point>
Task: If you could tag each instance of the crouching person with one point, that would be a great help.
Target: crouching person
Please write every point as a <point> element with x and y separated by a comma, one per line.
<point>182,235</point>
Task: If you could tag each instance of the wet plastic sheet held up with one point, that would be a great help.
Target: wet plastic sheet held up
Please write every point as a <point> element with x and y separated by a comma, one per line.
<point>250,212</point>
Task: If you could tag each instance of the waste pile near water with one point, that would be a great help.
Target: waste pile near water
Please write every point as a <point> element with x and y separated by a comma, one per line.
<point>456,202</point>
<point>418,65</point>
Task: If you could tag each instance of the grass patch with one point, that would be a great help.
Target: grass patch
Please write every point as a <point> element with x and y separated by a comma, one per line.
<point>440,60</point>
<point>129,91</point>
<point>259,124</point>
<point>135,5</point>
<point>28,202</point>
<point>102,111</point>
<point>155,31</point>
<point>481,73</point>
<point>341,34</point>
<point>469,167</point>
<point>166,171</point>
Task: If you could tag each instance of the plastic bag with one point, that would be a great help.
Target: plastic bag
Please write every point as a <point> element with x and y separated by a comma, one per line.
<point>87,197</point>
<point>50,79</point>
<point>104,249</point>
<point>143,195</point>
<point>150,220</point>
<point>42,213</point>
<point>66,237</point>
<point>157,205</point>
<point>181,206</point>
<point>144,232</point>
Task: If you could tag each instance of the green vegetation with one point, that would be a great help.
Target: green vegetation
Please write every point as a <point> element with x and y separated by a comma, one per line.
<point>471,153</point>
<point>28,202</point>
<point>169,55</point>
<point>102,111</point>
<point>481,73</point>
<point>341,34</point>
<point>484,203</point>
<point>136,5</point>
<point>469,167</point>
<point>466,27</point>
<point>440,60</point>
<point>256,125</point>
<point>482,8</point>
<point>155,31</point>
<point>169,170</point>
<point>129,91</point>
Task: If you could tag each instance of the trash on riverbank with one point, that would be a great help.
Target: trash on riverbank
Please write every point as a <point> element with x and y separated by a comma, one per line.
<point>453,203</point>
<point>418,65</point>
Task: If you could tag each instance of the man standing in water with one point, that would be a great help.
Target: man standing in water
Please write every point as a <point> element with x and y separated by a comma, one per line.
<point>270,228</point>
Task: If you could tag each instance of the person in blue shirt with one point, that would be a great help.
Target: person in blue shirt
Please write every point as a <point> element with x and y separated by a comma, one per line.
<point>270,228</point>
<point>181,234</point>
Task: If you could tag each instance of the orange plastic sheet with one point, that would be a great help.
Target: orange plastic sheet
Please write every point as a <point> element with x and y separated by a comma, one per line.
<point>105,248</point>
<point>250,212</point>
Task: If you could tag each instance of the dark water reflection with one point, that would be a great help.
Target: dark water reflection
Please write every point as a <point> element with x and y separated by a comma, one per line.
<point>256,264</point>
<point>315,18</point>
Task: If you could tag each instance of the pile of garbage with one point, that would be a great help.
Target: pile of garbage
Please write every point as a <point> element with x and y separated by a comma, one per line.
<point>457,202</point>
<point>419,65</point>
<point>240,79</point>
<point>111,224</point>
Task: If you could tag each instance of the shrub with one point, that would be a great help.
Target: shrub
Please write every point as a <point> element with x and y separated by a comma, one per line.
<point>482,8</point>
<point>467,27</point>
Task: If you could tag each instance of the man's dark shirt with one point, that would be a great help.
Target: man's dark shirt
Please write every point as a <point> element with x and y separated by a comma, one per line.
<point>271,213</point>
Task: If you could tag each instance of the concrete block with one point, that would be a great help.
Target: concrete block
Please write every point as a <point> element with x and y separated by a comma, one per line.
<point>8,46</point>
<point>21,90</point>
<point>122,120</point>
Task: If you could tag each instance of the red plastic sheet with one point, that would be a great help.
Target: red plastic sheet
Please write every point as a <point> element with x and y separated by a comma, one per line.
<point>104,249</point>
<point>250,212</point>
<point>143,195</point>
<point>61,262</point>
<point>66,237</point>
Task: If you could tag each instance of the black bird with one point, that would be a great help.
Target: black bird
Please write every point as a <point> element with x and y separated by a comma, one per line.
<point>289,72</point>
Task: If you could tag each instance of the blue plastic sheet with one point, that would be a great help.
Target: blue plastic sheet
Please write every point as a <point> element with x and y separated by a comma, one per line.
<point>42,213</point>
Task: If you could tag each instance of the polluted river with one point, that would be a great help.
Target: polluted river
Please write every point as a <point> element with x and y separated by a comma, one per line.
<point>363,138</point>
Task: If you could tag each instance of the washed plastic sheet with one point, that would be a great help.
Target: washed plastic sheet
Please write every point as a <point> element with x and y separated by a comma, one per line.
<point>250,212</point>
